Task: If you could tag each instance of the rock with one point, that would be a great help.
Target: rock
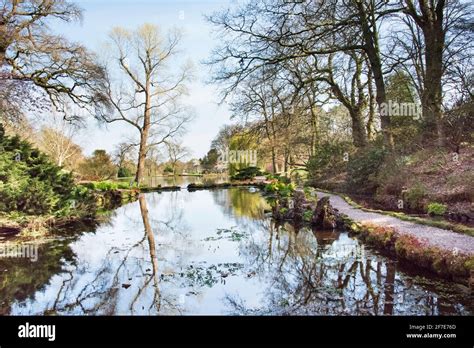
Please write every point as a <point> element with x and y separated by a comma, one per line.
<point>299,200</point>
<point>325,216</point>
<point>195,187</point>
<point>126,286</point>
<point>170,188</point>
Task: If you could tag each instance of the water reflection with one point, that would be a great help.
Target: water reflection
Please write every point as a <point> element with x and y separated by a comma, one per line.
<point>330,273</point>
<point>215,252</point>
<point>245,203</point>
<point>182,181</point>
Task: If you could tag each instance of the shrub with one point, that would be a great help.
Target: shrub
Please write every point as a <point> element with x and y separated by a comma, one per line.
<point>168,170</point>
<point>307,215</point>
<point>283,190</point>
<point>29,181</point>
<point>363,169</point>
<point>437,209</point>
<point>108,185</point>
<point>98,167</point>
<point>329,157</point>
<point>247,173</point>
<point>277,177</point>
<point>124,172</point>
<point>415,197</point>
<point>392,176</point>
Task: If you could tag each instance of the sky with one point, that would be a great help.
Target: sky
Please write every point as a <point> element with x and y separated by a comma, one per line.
<point>198,41</point>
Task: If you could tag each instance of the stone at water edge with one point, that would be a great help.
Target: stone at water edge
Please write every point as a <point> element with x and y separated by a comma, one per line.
<point>299,200</point>
<point>325,216</point>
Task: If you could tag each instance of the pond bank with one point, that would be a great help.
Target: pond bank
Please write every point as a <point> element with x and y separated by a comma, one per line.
<point>447,253</point>
<point>24,227</point>
<point>197,187</point>
<point>21,227</point>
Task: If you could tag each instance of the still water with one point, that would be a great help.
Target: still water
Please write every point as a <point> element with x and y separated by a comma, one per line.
<point>182,181</point>
<point>215,252</point>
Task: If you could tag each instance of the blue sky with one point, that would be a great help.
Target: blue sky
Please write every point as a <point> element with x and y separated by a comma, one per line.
<point>101,15</point>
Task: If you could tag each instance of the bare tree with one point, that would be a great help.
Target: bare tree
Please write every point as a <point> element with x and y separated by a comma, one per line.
<point>433,44</point>
<point>271,33</point>
<point>341,75</point>
<point>142,90</point>
<point>176,153</point>
<point>257,104</point>
<point>123,153</point>
<point>35,58</point>
<point>57,140</point>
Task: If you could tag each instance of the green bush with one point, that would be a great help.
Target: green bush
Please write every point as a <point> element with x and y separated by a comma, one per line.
<point>280,178</point>
<point>98,167</point>
<point>29,182</point>
<point>168,170</point>
<point>415,197</point>
<point>105,186</point>
<point>437,209</point>
<point>308,215</point>
<point>108,185</point>
<point>363,169</point>
<point>247,173</point>
<point>283,190</point>
<point>328,158</point>
<point>124,172</point>
<point>393,176</point>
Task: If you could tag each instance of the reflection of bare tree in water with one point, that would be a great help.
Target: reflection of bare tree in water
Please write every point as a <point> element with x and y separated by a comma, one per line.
<point>112,278</point>
<point>153,257</point>
<point>103,289</point>
<point>389,289</point>
<point>325,274</point>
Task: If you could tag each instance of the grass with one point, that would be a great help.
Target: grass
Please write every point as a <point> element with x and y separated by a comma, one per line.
<point>108,185</point>
<point>458,228</point>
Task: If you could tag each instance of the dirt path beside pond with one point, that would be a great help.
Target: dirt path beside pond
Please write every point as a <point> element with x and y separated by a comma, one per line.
<point>444,239</point>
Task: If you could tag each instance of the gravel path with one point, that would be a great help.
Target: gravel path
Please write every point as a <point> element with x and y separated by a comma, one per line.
<point>444,239</point>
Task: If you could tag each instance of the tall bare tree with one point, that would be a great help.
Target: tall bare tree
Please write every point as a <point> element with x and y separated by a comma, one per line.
<point>143,90</point>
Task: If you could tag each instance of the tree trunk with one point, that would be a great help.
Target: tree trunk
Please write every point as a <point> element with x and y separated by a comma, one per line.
<point>314,131</point>
<point>144,135</point>
<point>4,43</point>
<point>430,20</point>
<point>371,119</point>
<point>381,99</point>
<point>274,160</point>
<point>372,51</point>
<point>432,97</point>
<point>141,156</point>
<point>359,134</point>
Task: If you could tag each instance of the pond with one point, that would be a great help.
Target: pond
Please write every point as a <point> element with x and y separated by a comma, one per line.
<point>215,252</point>
<point>181,181</point>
